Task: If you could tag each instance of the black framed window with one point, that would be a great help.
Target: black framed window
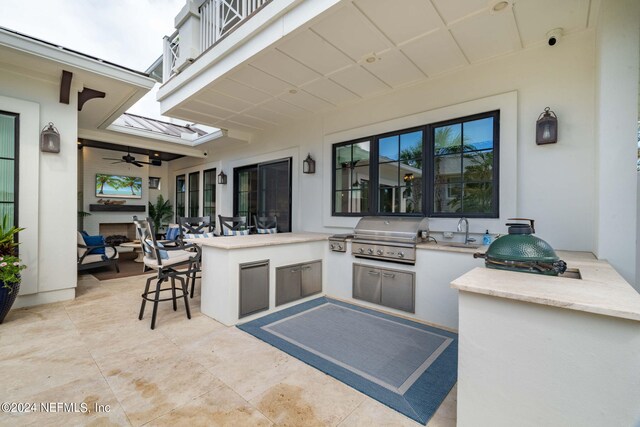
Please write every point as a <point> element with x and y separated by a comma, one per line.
<point>181,189</point>
<point>446,169</point>
<point>194,193</point>
<point>209,194</point>
<point>9,166</point>
<point>351,178</point>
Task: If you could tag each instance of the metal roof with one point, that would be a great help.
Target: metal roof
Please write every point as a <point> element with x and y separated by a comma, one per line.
<point>158,126</point>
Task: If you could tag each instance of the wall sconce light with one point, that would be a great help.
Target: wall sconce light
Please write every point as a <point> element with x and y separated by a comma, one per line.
<point>50,139</point>
<point>222,178</point>
<point>547,127</point>
<point>309,165</point>
<point>408,177</point>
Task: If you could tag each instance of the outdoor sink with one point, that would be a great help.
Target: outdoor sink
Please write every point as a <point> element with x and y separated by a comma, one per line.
<point>461,245</point>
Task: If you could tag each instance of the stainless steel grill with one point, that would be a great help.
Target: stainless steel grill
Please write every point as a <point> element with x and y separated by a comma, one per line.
<point>388,238</point>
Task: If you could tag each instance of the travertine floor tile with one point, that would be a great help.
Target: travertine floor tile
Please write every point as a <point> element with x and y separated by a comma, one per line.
<point>220,407</point>
<point>373,413</point>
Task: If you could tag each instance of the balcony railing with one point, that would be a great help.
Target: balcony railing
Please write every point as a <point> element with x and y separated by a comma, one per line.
<point>219,17</point>
<point>202,27</point>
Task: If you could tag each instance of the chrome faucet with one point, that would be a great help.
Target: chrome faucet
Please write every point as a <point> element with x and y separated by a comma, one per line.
<point>467,239</point>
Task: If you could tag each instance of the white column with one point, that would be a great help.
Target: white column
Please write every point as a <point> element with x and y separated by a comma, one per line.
<point>617,73</point>
<point>187,23</point>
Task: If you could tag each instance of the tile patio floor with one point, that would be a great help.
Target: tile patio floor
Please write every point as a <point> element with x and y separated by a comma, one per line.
<point>185,373</point>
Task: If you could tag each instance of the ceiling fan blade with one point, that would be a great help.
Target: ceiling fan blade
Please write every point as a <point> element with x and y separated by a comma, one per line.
<point>115,163</point>
<point>137,163</point>
<point>108,158</point>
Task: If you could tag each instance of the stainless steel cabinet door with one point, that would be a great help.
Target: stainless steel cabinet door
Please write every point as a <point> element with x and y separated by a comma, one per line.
<point>311,278</point>
<point>254,287</point>
<point>287,284</point>
<point>398,290</point>
<point>367,283</point>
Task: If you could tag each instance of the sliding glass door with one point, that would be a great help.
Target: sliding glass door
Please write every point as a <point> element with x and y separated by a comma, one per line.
<point>180,195</point>
<point>209,194</point>
<point>194,193</point>
<point>9,167</point>
<point>264,190</point>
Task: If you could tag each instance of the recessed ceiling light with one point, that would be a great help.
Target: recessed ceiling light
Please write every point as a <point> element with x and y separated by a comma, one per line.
<point>156,154</point>
<point>499,5</point>
<point>293,91</point>
<point>371,59</point>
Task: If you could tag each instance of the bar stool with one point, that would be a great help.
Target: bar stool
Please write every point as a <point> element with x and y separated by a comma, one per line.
<point>165,260</point>
<point>195,227</point>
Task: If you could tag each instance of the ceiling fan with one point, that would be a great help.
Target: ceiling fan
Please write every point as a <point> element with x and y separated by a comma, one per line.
<point>128,159</point>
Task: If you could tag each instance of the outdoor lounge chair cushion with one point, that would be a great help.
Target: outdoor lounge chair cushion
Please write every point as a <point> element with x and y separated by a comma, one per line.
<point>266,230</point>
<point>94,241</point>
<point>199,236</point>
<point>175,257</point>
<point>228,232</point>
<point>90,259</point>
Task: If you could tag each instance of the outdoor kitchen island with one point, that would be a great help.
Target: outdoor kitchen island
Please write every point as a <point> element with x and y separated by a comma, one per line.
<point>549,350</point>
<point>240,274</point>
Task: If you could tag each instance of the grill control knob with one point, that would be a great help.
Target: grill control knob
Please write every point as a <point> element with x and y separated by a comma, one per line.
<point>332,246</point>
<point>361,250</point>
<point>339,247</point>
<point>379,252</point>
<point>400,254</point>
<point>370,250</point>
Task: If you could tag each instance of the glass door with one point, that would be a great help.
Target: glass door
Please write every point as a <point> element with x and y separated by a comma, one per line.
<point>264,190</point>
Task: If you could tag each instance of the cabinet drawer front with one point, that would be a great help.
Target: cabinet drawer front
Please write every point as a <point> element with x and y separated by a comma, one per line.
<point>398,290</point>
<point>287,284</point>
<point>311,278</point>
<point>254,288</point>
<point>367,282</point>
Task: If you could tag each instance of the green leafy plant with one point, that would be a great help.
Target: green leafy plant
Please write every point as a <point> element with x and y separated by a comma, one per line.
<point>10,267</point>
<point>160,213</point>
<point>8,244</point>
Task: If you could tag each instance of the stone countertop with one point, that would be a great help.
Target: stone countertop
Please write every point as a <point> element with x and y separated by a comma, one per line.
<point>601,290</point>
<point>258,240</point>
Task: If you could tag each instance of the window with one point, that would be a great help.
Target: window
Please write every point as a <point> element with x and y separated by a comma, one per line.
<point>352,175</point>
<point>9,166</point>
<point>447,169</point>
<point>154,183</point>
<point>264,190</point>
<point>194,193</point>
<point>180,195</point>
<point>209,194</point>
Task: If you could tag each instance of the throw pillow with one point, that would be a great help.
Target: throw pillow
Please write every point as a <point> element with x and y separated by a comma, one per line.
<point>267,230</point>
<point>163,254</point>
<point>173,233</point>
<point>94,241</point>
<point>199,236</point>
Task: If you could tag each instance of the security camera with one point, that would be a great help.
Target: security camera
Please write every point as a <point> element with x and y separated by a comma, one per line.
<point>206,153</point>
<point>553,36</point>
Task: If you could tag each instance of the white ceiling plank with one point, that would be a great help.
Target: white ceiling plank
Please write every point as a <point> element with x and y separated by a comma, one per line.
<point>315,52</point>
<point>305,100</point>
<point>223,101</point>
<point>435,53</point>
<point>401,20</point>
<point>330,91</point>
<point>284,108</point>
<point>394,69</point>
<point>359,81</point>
<point>241,91</point>
<point>200,104</point>
<point>453,10</point>
<point>269,115</point>
<point>485,35</point>
<point>349,31</point>
<point>285,68</point>
<point>258,79</point>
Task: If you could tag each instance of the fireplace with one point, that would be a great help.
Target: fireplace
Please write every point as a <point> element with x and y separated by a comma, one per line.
<point>117,232</point>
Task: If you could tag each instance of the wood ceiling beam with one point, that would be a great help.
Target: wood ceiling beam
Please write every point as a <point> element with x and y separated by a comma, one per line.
<point>65,86</point>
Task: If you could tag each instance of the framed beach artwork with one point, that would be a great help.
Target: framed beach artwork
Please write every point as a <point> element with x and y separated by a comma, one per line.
<point>128,187</point>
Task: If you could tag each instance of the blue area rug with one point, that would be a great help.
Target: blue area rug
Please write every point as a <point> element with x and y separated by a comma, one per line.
<point>405,365</point>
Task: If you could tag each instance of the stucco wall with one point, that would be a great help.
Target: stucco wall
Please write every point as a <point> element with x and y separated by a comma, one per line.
<point>48,187</point>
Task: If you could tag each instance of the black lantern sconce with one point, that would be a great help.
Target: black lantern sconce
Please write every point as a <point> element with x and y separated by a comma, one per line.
<point>309,165</point>
<point>222,178</point>
<point>50,139</point>
<point>547,127</point>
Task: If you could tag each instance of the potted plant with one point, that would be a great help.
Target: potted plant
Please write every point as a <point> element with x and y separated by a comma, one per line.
<point>160,213</point>
<point>10,266</point>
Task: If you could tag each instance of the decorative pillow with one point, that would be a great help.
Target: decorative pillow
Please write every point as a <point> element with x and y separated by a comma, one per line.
<point>163,254</point>
<point>228,232</point>
<point>199,236</point>
<point>84,233</point>
<point>94,241</point>
<point>267,230</point>
<point>173,233</point>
